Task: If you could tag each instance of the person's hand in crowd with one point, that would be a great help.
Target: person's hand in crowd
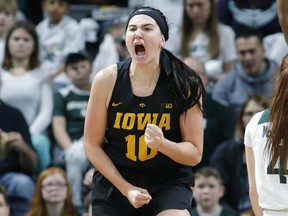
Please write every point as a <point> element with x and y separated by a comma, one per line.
<point>15,142</point>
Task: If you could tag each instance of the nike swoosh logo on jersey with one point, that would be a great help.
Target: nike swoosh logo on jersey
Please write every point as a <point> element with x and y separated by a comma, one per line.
<point>116,104</point>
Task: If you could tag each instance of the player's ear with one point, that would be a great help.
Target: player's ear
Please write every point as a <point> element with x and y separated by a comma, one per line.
<point>162,42</point>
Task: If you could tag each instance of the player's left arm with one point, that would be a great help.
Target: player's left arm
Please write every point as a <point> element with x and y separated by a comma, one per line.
<point>258,211</point>
<point>187,152</point>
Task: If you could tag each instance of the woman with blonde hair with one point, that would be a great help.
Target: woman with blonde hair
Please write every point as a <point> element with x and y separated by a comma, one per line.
<point>205,38</point>
<point>53,195</point>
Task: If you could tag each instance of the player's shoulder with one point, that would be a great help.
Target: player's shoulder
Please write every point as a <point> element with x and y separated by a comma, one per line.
<point>258,119</point>
<point>261,117</point>
<point>107,73</point>
<point>105,78</point>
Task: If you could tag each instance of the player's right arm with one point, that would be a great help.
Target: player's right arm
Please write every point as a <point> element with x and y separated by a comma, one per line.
<point>258,211</point>
<point>94,132</point>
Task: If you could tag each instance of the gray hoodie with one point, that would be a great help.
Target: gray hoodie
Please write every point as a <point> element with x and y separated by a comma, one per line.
<point>233,89</point>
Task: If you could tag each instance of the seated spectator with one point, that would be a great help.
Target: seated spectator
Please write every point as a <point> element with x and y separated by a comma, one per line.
<point>252,73</point>
<point>229,158</point>
<point>260,15</point>
<point>27,86</point>
<point>18,159</point>
<point>205,39</point>
<point>70,104</point>
<point>208,191</point>
<point>4,207</point>
<point>59,34</point>
<point>53,195</point>
<point>215,114</point>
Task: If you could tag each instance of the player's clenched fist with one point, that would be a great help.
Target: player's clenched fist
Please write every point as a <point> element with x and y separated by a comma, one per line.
<point>138,197</point>
<point>153,136</point>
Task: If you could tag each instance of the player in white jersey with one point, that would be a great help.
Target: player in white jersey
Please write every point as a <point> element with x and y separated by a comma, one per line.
<point>267,155</point>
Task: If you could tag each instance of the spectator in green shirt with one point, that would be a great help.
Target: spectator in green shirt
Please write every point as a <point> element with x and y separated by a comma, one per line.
<point>70,104</point>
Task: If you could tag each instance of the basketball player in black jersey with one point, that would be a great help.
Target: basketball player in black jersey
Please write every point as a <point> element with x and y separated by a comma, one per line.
<point>148,108</point>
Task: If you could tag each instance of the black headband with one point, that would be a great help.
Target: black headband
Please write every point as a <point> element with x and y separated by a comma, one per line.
<point>154,14</point>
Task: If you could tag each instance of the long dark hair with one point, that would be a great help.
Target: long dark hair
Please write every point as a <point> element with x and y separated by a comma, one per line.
<point>211,29</point>
<point>187,86</point>
<point>277,144</point>
<point>34,58</point>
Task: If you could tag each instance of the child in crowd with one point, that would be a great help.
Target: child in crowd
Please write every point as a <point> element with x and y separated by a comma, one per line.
<point>52,195</point>
<point>59,35</point>
<point>70,105</point>
<point>4,208</point>
<point>207,192</point>
<point>8,10</point>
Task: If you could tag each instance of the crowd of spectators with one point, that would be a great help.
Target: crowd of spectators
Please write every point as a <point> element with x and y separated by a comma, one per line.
<point>48,59</point>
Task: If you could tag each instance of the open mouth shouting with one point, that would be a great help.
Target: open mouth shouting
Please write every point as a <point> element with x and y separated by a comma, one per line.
<point>139,50</point>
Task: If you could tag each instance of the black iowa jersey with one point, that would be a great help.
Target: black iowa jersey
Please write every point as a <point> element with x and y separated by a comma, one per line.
<point>128,116</point>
